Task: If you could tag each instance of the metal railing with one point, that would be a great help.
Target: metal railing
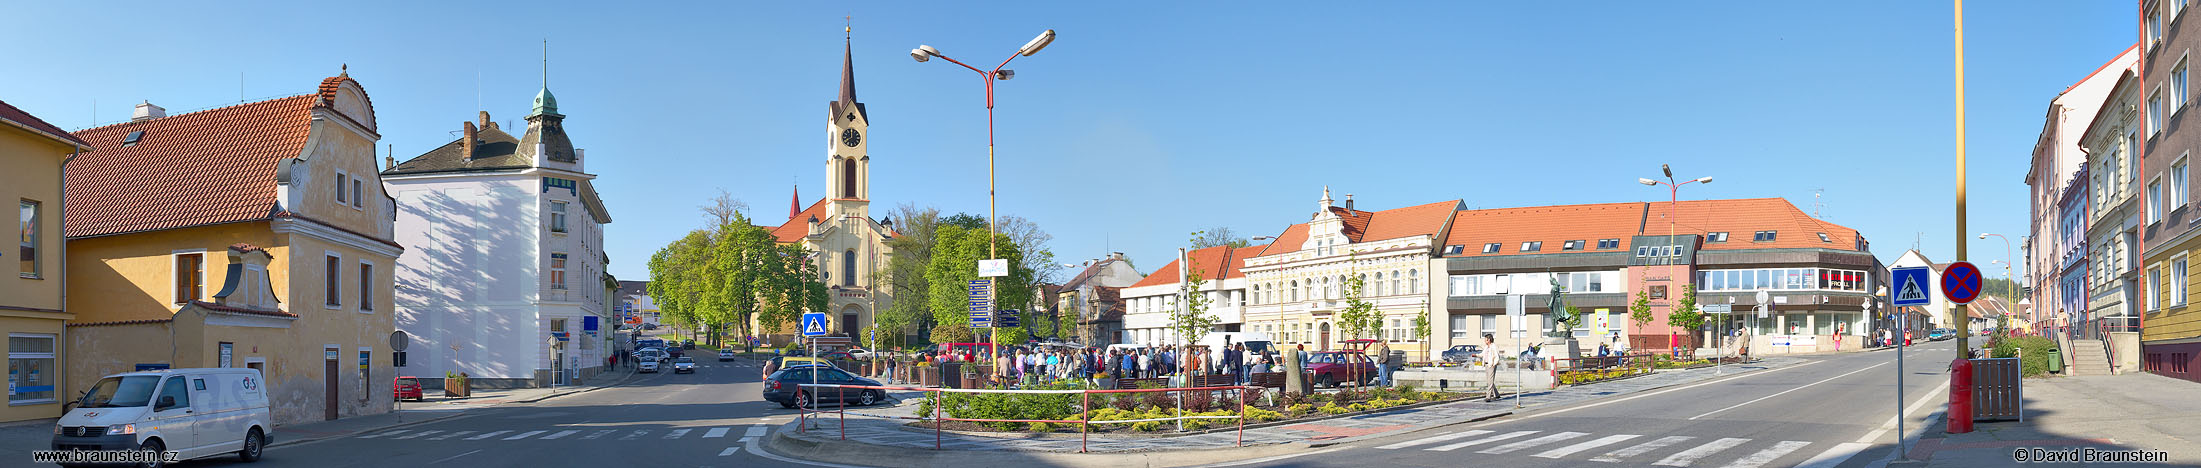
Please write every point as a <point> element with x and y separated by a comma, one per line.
<point>939,416</point>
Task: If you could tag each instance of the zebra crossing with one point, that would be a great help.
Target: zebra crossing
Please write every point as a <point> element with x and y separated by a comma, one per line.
<point>747,432</point>
<point>1676,450</point>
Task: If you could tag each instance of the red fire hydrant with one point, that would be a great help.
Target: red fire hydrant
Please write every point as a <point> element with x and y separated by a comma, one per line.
<point>1960,396</point>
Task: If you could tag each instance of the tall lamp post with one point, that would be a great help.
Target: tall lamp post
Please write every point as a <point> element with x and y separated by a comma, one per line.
<point>1673,202</point>
<point>2011,290</point>
<point>925,52</point>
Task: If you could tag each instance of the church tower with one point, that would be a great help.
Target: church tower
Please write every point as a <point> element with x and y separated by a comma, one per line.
<point>848,165</point>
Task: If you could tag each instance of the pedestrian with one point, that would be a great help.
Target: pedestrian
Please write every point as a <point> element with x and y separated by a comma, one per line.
<point>1234,361</point>
<point>1490,361</point>
<point>1146,364</point>
<point>1383,363</point>
<point>1054,365</point>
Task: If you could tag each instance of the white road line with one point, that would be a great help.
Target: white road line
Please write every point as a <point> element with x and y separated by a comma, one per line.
<point>384,433</point>
<point>523,435</point>
<point>747,439</point>
<point>1685,457</point>
<point>1834,456</point>
<point>1517,446</point>
<point>558,434</point>
<point>1639,449</point>
<point>729,451</point>
<point>1599,442</point>
<point>1784,392</point>
<point>752,445</point>
<point>636,435</point>
<point>1763,457</point>
<point>676,433</point>
<point>758,431</point>
<point>1274,458</point>
<point>715,432</point>
<point>418,434</point>
<point>486,435</point>
<point>598,434</point>
<point>1675,389</point>
<point>1485,440</point>
<point>1873,436</point>
<point>1433,439</point>
<point>455,457</point>
<point>450,435</point>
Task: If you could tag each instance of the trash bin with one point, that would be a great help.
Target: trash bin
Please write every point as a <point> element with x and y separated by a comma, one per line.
<point>2055,361</point>
<point>951,374</point>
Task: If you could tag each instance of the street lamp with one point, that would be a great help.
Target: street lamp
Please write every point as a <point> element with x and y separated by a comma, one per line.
<point>2011,289</point>
<point>1673,202</point>
<point>925,53</point>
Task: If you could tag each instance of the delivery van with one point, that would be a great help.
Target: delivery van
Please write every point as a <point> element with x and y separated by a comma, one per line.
<point>197,413</point>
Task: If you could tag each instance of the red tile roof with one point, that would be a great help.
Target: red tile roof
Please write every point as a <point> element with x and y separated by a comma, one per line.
<point>1209,261</point>
<point>12,115</point>
<point>1365,226</point>
<point>242,310</point>
<point>1238,258</point>
<point>207,167</point>
<point>1554,225</point>
<point>798,226</point>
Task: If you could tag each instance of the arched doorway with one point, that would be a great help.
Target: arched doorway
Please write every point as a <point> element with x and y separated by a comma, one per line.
<point>851,322</point>
<point>1325,336</point>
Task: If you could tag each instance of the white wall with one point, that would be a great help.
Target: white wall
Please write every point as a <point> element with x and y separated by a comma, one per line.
<point>466,283</point>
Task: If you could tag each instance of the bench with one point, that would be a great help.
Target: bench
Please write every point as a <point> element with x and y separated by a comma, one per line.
<point>1213,380</point>
<point>1266,379</point>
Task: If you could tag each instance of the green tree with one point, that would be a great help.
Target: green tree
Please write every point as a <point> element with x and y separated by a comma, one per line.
<point>1190,320</point>
<point>911,311</point>
<point>966,220</point>
<point>1421,329</point>
<point>1685,317</point>
<point>954,263</point>
<point>1359,316</point>
<point>1640,310</point>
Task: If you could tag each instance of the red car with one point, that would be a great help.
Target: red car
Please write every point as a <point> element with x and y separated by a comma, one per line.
<point>407,388</point>
<point>1330,368</point>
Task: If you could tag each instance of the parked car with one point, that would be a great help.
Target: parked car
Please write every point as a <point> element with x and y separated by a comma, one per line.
<point>725,355</point>
<point>647,366</point>
<point>1462,353</point>
<point>1939,334</point>
<point>784,387</point>
<point>683,365</point>
<point>1328,369</point>
<point>197,413</point>
<point>407,387</point>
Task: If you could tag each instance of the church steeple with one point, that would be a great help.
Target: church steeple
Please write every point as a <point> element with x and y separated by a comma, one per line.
<point>848,72</point>
<point>545,104</point>
<point>848,162</point>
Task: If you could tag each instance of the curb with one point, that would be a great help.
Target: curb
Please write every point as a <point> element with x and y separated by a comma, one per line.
<point>622,381</point>
<point>1417,427</point>
<point>295,441</point>
<point>828,450</point>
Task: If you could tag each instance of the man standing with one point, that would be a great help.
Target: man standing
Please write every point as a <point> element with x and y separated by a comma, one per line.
<point>1490,361</point>
<point>1234,362</point>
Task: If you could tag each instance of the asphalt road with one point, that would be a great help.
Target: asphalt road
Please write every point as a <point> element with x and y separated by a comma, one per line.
<point>665,419</point>
<point>1829,411</point>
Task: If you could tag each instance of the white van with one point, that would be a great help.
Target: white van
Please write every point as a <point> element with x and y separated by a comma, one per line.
<point>1256,342</point>
<point>195,412</point>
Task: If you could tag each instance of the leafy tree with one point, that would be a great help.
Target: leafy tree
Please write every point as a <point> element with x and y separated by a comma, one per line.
<point>954,263</point>
<point>1685,316</point>
<point>966,220</point>
<point>911,311</point>
<point>1421,329</point>
<point>1219,236</point>
<point>1190,320</point>
<point>1359,316</point>
<point>1640,310</point>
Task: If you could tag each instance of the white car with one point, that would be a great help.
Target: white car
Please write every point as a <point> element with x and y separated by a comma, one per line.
<point>684,365</point>
<point>648,365</point>
<point>725,355</point>
<point>197,413</point>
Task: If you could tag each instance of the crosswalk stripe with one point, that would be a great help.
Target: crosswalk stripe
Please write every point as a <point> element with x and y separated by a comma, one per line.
<point>715,432</point>
<point>1433,439</point>
<point>1485,440</point>
<point>418,434</point>
<point>1685,457</point>
<point>1639,449</point>
<point>486,435</point>
<point>450,435</point>
<point>676,433</point>
<point>559,434</point>
<point>1759,459</point>
<point>384,433</point>
<point>1516,446</point>
<point>598,434</point>
<point>636,435</point>
<point>729,451</point>
<point>523,435</point>
<point>1599,442</point>
<point>757,431</point>
<point>1834,456</point>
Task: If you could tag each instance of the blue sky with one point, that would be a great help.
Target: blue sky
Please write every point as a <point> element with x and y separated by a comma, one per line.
<point>1144,122</point>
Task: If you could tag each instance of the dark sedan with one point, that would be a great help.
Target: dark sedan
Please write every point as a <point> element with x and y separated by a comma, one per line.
<point>1462,353</point>
<point>784,387</point>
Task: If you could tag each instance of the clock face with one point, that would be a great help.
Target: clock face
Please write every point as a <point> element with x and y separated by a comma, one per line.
<point>850,137</point>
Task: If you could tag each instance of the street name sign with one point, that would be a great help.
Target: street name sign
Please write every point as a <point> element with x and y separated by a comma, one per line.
<point>1911,286</point>
<point>980,303</point>
<point>1960,282</point>
<point>1006,319</point>
<point>813,324</point>
<point>1718,308</point>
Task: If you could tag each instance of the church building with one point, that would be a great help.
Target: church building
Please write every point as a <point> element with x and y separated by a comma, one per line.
<point>848,243</point>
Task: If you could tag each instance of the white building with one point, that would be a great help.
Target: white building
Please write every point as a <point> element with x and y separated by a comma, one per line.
<point>1148,317</point>
<point>503,275</point>
<point>1298,287</point>
<point>1939,310</point>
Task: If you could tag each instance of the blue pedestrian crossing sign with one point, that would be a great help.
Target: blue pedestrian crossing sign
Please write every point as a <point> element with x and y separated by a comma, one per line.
<point>813,324</point>
<point>1913,286</point>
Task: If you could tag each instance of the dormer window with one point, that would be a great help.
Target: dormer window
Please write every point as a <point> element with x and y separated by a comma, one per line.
<point>1716,237</point>
<point>1765,236</point>
<point>1823,238</point>
<point>1532,246</point>
<point>1571,245</point>
<point>1454,249</point>
<point>1604,244</point>
<point>1490,247</point>
<point>133,138</point>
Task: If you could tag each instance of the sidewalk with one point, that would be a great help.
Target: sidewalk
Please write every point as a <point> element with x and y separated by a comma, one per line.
<point>874,437</point>
<point>2137,411</point>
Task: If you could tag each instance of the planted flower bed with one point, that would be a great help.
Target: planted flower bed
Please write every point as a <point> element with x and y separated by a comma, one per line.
<point>1132,408</point>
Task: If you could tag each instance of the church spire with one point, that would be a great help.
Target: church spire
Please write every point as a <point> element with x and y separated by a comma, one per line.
<point>848,72</point>
<point>545,104</point>
<point>794,204</point>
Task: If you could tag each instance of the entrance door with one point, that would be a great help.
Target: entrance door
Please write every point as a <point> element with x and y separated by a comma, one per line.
<point>848,326</point>
<point>1325,336</point>
<point>328,387</point>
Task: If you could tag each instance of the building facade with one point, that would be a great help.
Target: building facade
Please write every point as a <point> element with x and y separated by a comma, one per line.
<point>284,189</point>
<point>838,229</point>
<point>1297,284</point>
<point>2170,338</point>
<point>1152,304</point>
<point>31,308</point>
<point>1094,298</point>
<point>504,279</point>
<point>2112,145</point>
<point>2057,242</point>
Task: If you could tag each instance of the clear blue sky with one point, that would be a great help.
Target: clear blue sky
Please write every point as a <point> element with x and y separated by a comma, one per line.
<point>1145,122</point>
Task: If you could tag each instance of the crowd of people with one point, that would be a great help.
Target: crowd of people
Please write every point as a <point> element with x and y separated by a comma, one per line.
<point>1021,366</point>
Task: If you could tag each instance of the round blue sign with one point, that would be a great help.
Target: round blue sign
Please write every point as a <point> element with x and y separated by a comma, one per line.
<point>1960,282</point>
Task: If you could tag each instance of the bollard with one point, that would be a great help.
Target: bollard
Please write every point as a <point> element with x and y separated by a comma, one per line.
<point>1960,396</point>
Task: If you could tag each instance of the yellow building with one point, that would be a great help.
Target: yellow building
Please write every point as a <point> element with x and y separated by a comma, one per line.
<point>31,309</point>
<point>281,194</point>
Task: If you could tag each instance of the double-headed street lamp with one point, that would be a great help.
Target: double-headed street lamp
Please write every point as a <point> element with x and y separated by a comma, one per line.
<point>925,52</point>
<point>1673,202</point>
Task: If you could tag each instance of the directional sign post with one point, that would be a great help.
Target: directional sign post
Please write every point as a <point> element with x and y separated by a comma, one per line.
<point>1007,319</point>
<point>981,301</point>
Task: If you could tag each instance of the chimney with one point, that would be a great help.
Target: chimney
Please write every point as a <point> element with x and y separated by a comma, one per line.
<point>468,141</point>
<point>1349,204</point>
<point>485,122</point>
<point>1115,255</point>
<point>147,111</point>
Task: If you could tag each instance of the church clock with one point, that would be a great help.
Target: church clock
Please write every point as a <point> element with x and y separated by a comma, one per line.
<point>850,137</point>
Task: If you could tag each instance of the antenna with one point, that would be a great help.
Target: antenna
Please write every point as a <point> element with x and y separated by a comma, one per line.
<point>546,63</point>
<point>240,87</point>
<point>1815,204</point>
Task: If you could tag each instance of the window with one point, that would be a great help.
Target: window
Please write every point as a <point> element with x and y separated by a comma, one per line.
<point>1716,237</point>
<point>1413,281</point>
<point>356,203</point>
<point>1464,285</point>
<point>1459,327</point>
<point>27,219</point>
<point>1490,247</point>
<point>848,268</point>
<point>1571,245</point>
<point>1603,244</point>
<point>1823,238</point>
<point>2178,84</point>
<point>225,355</point>
<point>1532,246</point>
<point>557,271</point>
<point>1454,249</point>
<point>31,371</point>
<point>174,390</point>
<point>2178,281</point>
<point>2155,202</point>
<point>2154,286</point>
<point>1765,236</point>
<point>1597,282</point>
<point>557,216</point>
<point>1642,251</point>
<point>1658,291</point>
<point>342,180</point>
<point>2175,195</point>
<point>2155,112</point>
<point>366,287</point>
<point>190,277</point>
<point>1501,284</point>
<point>335,273</point>
<point>2155,28</point>
<point>133,138</point>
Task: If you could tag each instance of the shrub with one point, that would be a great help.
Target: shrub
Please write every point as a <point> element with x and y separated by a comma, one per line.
<point>1358,407</point>
<point>1380,393</point>
<point>1250,394</point>
<point>1299,409</point>
<point>1042,427</point>
<point>1348,395</point>
<point>1014,405</point>
<point>1333,408</point>
<point>1227,403</point>
<point>1289,399</point>
<point>1124,401</point>
<point>1262,415</point>
<point>2035,360</point>
<point>1199,401</point>
<point>1319,397</point>
<point>1149,426</point>
<point>1158,400</point>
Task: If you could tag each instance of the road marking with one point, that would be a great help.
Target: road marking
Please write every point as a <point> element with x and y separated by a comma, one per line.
<point>598,434</point>
<point>1685,457</point>
<point>636,435</point>
<point>1517,446</point>
<point>486,435</point>
<point>715,433</point>
<point>454,457</point>
<point>1639,449</point>
<point>676,433</point>
<point>450,435</point>
<point>1870,437</point>
<point>729,451</point>
<point>523,435</point>
<point>1834,456</point>
<point>1599,442</point>
<point>1784,392</point>
<point>752,445</point>
<point>1485,440</point>
<point>1756,460</point>
<point>1675,389</point>
<point>418,434</point>
<point>757,431</point>
<point>1433,439</point>
<point>384,433</point>
<point>559,434</point>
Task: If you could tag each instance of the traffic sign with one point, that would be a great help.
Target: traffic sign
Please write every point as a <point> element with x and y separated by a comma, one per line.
<point>813,324</point>
<point>1007,318</point>
<point>980,303</point>
<point>1960,282</point>
<point>993,267</point>
<point>1718,308</point>
<point>1910,286</point>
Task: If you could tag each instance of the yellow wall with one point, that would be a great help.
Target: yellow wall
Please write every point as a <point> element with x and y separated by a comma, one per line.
<point>2181,321</point>
<point>132,276</point>
<point>32,304</point>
